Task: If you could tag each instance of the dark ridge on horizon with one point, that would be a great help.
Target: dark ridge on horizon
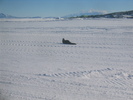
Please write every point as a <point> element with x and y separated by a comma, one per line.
<point>121,14</point>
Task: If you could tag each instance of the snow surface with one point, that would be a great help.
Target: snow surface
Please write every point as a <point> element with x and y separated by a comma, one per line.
<point>35,65</point>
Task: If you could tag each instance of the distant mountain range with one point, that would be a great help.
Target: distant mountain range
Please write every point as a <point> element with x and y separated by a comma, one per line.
<point>89,14</point>
<point>6,16</point>
<point>9,16</point>
<point>123,14</point>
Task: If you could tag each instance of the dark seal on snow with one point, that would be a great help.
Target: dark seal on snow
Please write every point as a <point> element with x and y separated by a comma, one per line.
<point>67,42</point>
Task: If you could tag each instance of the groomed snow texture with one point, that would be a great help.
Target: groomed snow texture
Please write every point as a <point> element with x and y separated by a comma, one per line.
<point>35,65</point>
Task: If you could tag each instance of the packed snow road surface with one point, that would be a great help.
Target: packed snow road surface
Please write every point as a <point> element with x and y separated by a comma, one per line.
<point>35,65</point>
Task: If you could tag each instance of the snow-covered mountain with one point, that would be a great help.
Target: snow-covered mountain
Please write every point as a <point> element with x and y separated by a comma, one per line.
<point>2,15</point>
<point>90,12</point>
<point>6,16</point>
<point>123,14</point>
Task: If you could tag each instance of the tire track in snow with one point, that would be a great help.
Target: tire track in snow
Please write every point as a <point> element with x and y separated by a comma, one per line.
<point>110,77</point>
<point>20,46</point>
<point>112,81</point>
<point>108,72</point>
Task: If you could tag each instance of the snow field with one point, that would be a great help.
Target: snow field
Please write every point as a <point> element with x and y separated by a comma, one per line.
<point>35,65</point>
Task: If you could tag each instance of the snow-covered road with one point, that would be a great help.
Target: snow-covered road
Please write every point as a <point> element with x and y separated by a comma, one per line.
<point>35,65</point>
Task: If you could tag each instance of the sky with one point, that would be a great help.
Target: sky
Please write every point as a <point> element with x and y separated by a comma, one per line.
<point>59,8</point>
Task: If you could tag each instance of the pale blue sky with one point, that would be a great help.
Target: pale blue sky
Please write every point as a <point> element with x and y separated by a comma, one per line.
<point>56,8</point>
